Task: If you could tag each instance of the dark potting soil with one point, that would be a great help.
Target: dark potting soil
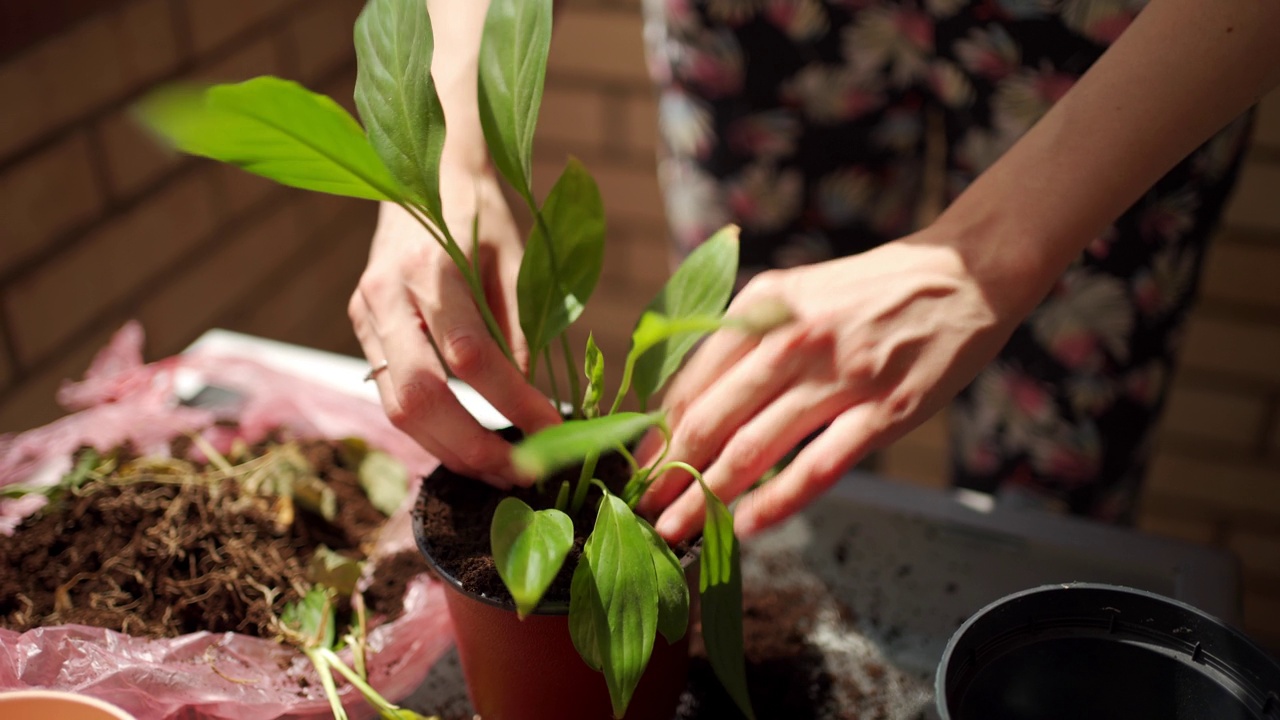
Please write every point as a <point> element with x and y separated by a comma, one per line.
<point>159,558</point>
<point>455,512</point>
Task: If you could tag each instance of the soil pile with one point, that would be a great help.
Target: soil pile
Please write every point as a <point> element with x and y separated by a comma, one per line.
<point>161,548</point>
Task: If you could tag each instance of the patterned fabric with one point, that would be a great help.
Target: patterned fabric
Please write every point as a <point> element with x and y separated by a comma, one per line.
<point>804,122</point>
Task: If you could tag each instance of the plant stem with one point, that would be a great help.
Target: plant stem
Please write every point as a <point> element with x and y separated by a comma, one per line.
<point>373,696</point>
<point>627,369</point>
<point>318,659</point>
<point>640,482</point>
<point>562,497</point>
<point>555,384</point>
<point>584,482</point>
<point>575,388</point>
<point>470,270</point>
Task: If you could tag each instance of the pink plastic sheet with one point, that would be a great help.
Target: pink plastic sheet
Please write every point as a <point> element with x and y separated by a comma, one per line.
<point>202,675</point>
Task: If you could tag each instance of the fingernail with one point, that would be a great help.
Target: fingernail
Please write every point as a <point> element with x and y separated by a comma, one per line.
<point>669,527</point>
<point>497,481</point>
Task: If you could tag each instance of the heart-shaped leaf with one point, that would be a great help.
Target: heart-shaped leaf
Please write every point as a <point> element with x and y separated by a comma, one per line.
<point>513,68</point>
<point>613,605</point>
<point>721,586</point>
<point>274,128</point>
<point>673,591</point>
<point>701,286</point>
<point>562,261</point>
<point>397,97</point>
<point>528,548</point>
<point>570,442</point>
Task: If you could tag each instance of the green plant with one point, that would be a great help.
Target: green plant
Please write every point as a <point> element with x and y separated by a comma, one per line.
<point>628,585</point>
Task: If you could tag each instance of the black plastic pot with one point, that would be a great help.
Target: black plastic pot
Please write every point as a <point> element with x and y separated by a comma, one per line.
<point>1103,652</point>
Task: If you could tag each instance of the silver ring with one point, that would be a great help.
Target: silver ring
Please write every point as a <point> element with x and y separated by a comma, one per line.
<point>373,372</point>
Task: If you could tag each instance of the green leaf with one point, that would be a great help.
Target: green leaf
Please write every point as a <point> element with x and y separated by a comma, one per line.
<point>559,273</point>
<point>314,495</point>
<point>385,481</point>
<point>593,366</point>
<point>397,98</point>
<point>701,286</point>
<point>613,605</point>
<point>673,590</point>
<point>528,547</point>
<point>721,586</point>
<point>274,128</point>
<point>313,618</point>
<point>562,445</point>
<point>334,570</point>
<point>513,67</point>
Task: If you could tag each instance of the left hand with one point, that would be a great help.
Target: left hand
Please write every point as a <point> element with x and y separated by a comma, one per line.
<point>880,341</point>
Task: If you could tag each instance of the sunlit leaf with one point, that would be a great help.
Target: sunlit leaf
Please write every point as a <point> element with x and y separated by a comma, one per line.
<point>593,367</point>
<point>721,586</point>
<point>513,67</point>
<point>274,128</point>
<point>385,481</point>
<point>563,445</point>
<point>397,98</point>
<point>528,548</point>
<point>701,286</point>
<point>613,606</point>
<point>673,590</point>
<point>334,570</point>
<point>553,295</point>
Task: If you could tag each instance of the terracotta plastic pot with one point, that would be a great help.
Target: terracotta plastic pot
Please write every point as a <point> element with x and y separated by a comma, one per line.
<point>529,669</point>
<point>52,704</point>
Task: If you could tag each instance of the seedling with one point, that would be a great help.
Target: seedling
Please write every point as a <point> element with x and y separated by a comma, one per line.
<point>628,585</point>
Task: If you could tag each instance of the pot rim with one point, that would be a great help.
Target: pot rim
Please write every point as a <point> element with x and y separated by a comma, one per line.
<point>64,696</point>
<point>548,608</point>
<point>943,680</point>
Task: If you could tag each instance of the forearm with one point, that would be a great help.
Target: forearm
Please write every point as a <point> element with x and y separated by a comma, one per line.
<point>1182,71</point>
<point>457,27</point>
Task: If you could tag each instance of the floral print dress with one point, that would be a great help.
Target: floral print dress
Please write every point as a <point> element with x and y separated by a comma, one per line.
<point>804,121</point>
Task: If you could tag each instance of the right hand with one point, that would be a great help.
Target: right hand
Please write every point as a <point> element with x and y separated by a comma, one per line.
<point>411,294</point>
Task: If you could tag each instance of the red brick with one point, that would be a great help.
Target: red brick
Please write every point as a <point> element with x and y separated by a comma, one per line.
<point>316,214</point>
<point>1254,205</point>
<point>145,38</point>
<point>1262,618</point>
<point>193,301</point>
<point>1259,553</point>
<point>261,57</point>
<point>322,37</point>
<point>32,404</point>
<point>599,45</point>
<point>1241,273</point>
<point>310,296</point>
<point>1224,487</point>
<point>6,368</point>
<point>48,306</point>
<point>1267,128</point>
<point>22,121</point>
<point>134,157</point>
<point>1230,418</point>
<point>638,254</point>
<point>1235,347</point>
<point>44,196</point>
<point>343,91</point>
<point>214,22</point>
<point>1196,530</point>
<point>572,120</point>
<point>642,124</point>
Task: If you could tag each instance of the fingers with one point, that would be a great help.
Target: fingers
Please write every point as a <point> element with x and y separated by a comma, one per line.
<point>709,420</point>
<point>819,465</point>
<point>759,445</point>
<point>471,353</point>
<point>416,396</point>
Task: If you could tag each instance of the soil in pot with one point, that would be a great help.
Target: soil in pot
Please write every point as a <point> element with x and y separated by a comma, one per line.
<point>149,556</point>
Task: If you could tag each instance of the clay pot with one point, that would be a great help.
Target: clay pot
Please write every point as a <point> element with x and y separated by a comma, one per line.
<point>529,669</point>
<point>43,704</point>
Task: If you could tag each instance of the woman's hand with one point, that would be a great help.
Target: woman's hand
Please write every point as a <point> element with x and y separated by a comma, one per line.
<point>412,295</point>
<point>880,341</point>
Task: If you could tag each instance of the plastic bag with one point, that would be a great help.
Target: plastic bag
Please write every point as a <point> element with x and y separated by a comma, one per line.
<point>205,675</point>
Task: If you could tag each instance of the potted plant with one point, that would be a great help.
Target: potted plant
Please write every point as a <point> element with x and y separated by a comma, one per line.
<point>629,592</point>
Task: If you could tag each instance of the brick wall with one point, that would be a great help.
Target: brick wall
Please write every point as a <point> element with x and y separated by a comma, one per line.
<point>97,225</point>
